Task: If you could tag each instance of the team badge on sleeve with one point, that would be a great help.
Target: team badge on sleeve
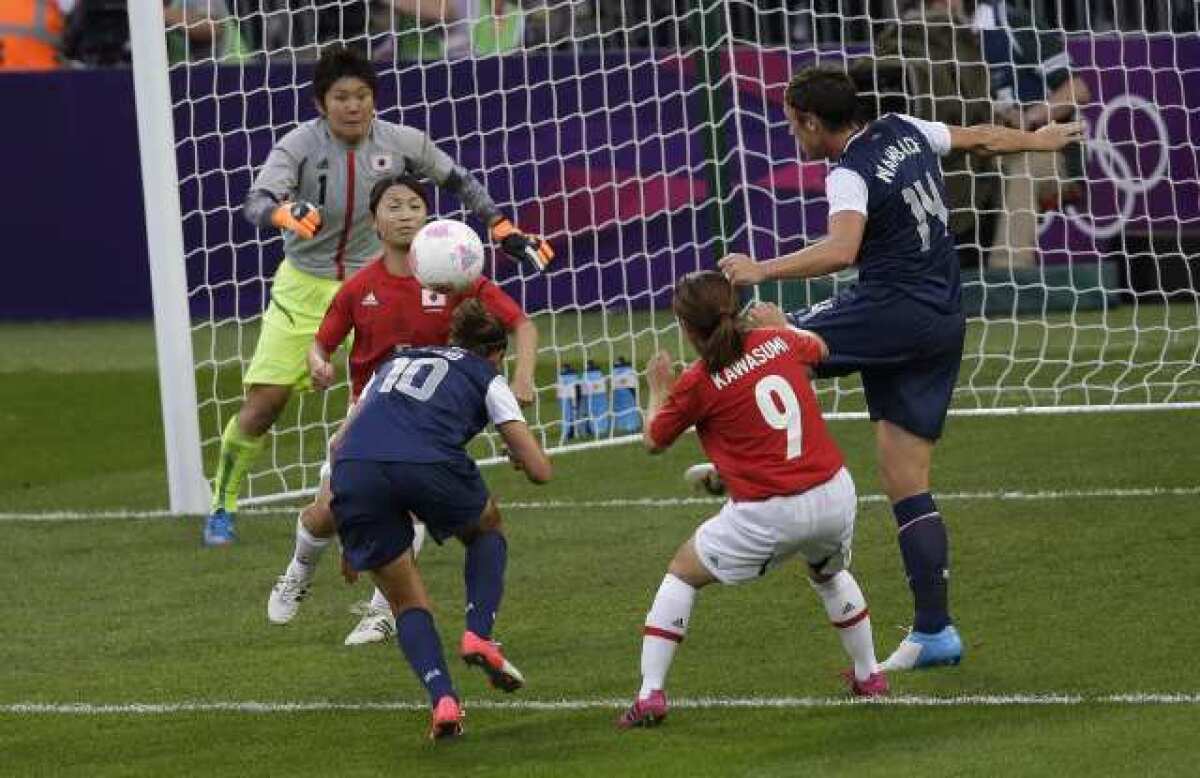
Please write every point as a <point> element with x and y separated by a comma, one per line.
<point>381,163</point>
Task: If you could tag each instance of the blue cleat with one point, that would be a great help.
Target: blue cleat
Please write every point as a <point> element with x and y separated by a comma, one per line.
<point>218,528</point>
<point>921,649</point>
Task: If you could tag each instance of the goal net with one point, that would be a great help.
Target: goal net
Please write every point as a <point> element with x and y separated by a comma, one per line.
<point>647,139</point>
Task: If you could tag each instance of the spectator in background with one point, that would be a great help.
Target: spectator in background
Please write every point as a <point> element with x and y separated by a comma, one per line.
<point>31,33</point>
<point>201,30</point>
<point>1031,85</point>
<point>432,29</point>
<point>930,65</point>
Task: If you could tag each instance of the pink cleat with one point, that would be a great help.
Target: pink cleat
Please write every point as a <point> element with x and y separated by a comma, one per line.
<point>447,719</point>
<point>485,654</point>
<point>649,712</point>
<point>875,686</point>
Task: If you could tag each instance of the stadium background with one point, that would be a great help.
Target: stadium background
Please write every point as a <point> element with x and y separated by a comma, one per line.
<point>127,649</point>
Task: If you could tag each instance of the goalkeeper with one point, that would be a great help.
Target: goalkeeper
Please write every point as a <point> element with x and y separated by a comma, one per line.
<point>314,187</point>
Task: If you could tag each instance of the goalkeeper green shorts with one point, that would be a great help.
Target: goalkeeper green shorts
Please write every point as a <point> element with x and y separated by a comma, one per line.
<point>298,303</point>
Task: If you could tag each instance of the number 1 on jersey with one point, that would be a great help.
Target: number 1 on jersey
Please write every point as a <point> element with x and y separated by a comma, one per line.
<point>772,392</point>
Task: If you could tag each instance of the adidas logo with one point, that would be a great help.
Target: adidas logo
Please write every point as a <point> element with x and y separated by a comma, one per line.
<point>434,673</point>
<point>370,299</point>
<point>679,624</point>
<point>323,164</point>
<point>715,561</point>
<point>849,607</point>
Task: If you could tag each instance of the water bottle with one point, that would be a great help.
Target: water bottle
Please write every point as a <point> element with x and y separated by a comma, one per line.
<point>627,418</point>
<point>595,398</point>
<point>568,386</point>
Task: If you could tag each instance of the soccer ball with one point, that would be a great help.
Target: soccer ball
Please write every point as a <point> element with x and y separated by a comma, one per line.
<point>447,256</point>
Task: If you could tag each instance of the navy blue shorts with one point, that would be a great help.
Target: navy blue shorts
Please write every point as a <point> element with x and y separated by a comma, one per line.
<point>908,354</point>
<point>372,502</point>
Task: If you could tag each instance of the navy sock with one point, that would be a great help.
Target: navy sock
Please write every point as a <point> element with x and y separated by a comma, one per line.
<point>418,640</point>
<point>487,556</point>
<point>925,548</point>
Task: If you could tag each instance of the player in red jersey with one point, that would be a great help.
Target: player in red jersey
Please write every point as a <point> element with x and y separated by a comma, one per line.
<point>758,420</point>
<point>386,308</point>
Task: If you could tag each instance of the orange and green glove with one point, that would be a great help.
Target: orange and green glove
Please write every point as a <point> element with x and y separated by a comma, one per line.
<point>301,218</point>
<point>521,247</point>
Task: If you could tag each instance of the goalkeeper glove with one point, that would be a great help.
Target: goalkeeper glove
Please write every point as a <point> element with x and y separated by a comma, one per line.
<point>520,246</point>
<point>301,218</point>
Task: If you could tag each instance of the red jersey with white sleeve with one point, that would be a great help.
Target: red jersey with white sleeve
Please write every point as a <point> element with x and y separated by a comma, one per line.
<point>758,419</point>
<point>387,311</point>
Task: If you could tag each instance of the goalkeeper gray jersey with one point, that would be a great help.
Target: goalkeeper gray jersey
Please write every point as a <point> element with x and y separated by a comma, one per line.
<point>310,164</point>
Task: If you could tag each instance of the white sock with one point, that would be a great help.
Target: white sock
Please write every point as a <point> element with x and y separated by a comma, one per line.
<point>379,602</point>
<point>418,538</point>
<point>666,626</point>
<point>847,609</point>
<point>309,549</point>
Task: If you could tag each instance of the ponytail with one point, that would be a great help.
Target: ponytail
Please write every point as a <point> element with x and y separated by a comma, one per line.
<point>706,303</point>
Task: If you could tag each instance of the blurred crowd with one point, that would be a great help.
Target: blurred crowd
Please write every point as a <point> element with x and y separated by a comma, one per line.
<point>959,61</point>
<point>50,33</point>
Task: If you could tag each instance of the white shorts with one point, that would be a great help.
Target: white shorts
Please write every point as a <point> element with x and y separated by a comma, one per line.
<point>746,539</point>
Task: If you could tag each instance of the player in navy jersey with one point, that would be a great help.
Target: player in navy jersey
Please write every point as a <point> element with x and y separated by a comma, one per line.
<point>401,452</point>
<point>902,325</point>
<point>754,409</point>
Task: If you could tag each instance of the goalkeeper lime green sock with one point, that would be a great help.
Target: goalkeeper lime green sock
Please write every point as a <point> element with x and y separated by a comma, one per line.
<point>238,452</point>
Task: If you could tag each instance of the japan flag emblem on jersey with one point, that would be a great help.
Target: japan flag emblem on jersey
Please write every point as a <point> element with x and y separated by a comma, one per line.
<point>381,163</point>
<point>432,299</point>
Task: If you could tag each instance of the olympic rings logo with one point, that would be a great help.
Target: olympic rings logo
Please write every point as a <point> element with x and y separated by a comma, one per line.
<point>1118,169</point>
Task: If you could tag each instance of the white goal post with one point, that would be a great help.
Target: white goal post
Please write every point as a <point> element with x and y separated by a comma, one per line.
<point>644,146</point>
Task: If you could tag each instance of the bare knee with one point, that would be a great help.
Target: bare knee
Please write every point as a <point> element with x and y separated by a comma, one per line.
<point>489,521</point>
<point>317,516</point>
<point>687,567</point>
<point>402,585</point>
<point>261,408</point>
<point>904,461</point>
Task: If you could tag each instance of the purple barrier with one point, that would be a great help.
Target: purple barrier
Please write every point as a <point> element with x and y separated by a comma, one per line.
<point>619,190</point>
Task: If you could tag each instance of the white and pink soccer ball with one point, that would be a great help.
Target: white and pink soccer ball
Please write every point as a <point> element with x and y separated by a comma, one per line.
<point>447,256</point>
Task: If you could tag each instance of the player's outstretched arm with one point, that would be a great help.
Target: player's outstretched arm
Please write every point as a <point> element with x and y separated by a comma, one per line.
<point>431,161</point>
<point>526,336</point>
<point>835,252</point>
<point>524,451</point>
<point>994,139</point>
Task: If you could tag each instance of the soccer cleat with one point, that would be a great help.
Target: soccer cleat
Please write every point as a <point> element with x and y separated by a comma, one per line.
<point>218,528</point>
<point>920,649</point>
<point>447,719</point>
<point>377,625</point>
<point>286,596</point>
<point>875,686</point>
<point>704,476</point>
<point>648,712</point>
<point>486,655</point>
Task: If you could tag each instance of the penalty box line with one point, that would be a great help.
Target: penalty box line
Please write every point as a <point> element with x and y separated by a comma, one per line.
<point>685,703</point>
<point>646,502</point>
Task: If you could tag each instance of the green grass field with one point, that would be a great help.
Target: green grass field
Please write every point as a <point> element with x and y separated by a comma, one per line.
<point>1074,541</point>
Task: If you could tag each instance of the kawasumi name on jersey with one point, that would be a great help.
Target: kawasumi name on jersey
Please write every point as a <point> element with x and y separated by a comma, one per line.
<point>755,357</point>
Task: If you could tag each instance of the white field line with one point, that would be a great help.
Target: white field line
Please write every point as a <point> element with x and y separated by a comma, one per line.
<point>686,703</point>
<point>650,502</point>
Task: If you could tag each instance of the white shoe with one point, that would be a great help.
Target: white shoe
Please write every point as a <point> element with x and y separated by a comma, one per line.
<point>704,477</point>
<point>285,598</point>
<point>376,626</point>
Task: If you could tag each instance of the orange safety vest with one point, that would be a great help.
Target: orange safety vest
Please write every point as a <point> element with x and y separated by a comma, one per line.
<point>30,33</point>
